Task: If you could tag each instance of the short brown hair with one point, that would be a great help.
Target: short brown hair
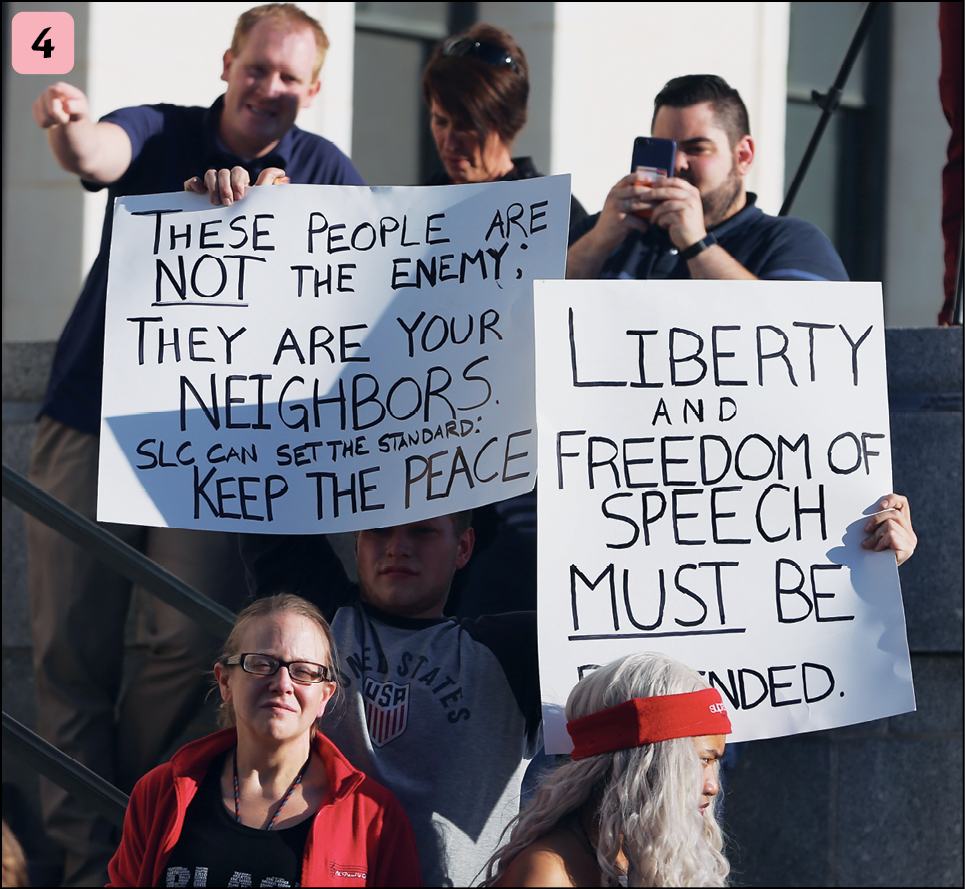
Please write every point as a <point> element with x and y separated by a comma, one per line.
<point>480,97</point>
<point>281,15</point>
<point>697,89</point>
<point>461,521</point>
<point>282,603</point>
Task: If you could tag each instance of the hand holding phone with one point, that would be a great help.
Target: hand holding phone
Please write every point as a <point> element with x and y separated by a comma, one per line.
<point>653,156</point>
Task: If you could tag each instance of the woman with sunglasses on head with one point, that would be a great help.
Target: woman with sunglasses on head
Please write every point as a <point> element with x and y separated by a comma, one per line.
<point>635,806</point>
<point>476,86</point>
<point>269,800</point>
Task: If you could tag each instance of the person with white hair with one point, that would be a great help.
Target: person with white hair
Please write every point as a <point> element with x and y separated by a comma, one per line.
<point>635,806</point>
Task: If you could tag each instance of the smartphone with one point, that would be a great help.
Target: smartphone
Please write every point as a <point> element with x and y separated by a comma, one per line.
<point>653,156</point>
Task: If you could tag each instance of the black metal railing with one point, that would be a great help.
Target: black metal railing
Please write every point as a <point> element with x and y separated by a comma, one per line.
<point>117,554</point>
<point>98,793</point>
<point>102,796</point>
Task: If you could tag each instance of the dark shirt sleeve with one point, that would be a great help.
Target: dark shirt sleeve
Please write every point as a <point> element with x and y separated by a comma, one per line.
<point>304,564</point>
<point>799,251</point>
<point>580,227</point>
<point>577,212</point>
<point>512,639</point>
<point>141,123</point>
<point>316,161</point>
<point>346,174</point>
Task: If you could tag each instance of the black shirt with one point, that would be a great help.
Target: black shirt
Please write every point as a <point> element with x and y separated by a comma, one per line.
<point>523,168</point>
<point>215,850</point>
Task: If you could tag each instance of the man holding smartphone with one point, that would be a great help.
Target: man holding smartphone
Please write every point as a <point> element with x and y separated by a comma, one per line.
<point>702,223</point>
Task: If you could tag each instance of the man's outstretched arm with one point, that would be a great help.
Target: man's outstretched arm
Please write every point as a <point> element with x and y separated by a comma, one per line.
<point>97,152</point>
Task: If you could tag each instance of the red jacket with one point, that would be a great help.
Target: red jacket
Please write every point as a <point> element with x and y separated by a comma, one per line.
<point>360,835</point>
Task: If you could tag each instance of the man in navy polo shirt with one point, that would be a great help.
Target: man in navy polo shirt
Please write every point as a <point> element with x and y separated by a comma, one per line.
<point>703,223</point>
<point>78,606</point>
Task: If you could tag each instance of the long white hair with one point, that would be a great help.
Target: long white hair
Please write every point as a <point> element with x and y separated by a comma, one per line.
<point>648,795</point>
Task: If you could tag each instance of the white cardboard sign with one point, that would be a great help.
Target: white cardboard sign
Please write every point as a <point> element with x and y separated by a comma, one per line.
<point>709,454</point>
<point>323,358</point>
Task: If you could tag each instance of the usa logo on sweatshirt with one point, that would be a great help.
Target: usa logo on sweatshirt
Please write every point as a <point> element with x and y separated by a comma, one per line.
<point>386,710</point>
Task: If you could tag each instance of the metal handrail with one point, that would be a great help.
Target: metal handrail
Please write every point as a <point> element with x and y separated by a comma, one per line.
<point>117,554</point>
<point>102,796</point>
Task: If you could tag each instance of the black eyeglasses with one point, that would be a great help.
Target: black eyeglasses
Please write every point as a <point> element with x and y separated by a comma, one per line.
<point>303,672</point>
<point>490,53</point>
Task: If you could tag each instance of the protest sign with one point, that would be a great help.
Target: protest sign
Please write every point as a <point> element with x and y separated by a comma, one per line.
<point>322,358</point>
<point>709,454</point>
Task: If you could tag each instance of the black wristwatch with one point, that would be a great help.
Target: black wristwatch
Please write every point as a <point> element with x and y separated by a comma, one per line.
<point>694,249</point>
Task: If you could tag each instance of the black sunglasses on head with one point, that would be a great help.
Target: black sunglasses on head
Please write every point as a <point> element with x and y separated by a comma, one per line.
<point>490,53</point>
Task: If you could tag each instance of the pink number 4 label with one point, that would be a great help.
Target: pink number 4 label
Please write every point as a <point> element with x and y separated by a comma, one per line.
<point>42,42</point>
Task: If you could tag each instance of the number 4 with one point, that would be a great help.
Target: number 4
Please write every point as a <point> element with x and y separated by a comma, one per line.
<point>47,48</point>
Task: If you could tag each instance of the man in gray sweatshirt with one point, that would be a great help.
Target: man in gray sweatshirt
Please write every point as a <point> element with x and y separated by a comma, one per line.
<point>444,713</point>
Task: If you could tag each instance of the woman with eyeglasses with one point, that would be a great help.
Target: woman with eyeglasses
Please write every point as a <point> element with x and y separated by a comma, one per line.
<point>476,86</point>
<point>269,800</point>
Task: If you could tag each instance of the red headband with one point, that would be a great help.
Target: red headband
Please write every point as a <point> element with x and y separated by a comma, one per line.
<point>647,720</point>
